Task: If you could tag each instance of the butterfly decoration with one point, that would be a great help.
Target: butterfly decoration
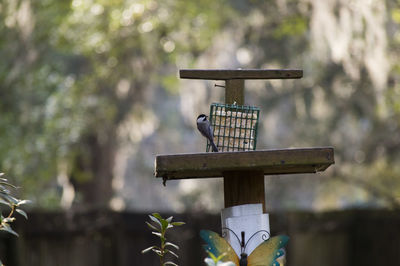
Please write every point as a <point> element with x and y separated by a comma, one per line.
<point>268,253</point>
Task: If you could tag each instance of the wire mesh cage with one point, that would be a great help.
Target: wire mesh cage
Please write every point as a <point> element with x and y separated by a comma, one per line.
<point>234,127</point>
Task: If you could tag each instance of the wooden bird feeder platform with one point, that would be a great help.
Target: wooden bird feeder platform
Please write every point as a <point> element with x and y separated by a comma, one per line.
<point>243,171</point>
<point>269,162</point>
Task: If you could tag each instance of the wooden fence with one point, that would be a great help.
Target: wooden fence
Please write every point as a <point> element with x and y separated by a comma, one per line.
<point>105,238</point>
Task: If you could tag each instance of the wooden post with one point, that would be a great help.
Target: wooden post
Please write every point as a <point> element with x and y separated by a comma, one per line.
<point>239,190</point>
<point>234,91</point>
<point>244,187</point>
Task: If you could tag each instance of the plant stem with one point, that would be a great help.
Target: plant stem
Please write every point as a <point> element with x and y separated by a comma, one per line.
<point>12,211</point>
<point>162,249</point>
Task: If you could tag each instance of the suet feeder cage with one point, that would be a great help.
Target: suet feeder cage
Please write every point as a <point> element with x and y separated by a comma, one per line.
<point>234,126</point>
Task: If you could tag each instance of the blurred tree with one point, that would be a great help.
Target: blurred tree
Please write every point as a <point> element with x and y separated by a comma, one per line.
<point>78,76</point>
<point>348,97</point>
<point>73,71</point>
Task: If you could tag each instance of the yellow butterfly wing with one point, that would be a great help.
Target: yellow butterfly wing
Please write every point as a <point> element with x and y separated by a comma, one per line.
<point>267,253</point>
<point>218,246</point>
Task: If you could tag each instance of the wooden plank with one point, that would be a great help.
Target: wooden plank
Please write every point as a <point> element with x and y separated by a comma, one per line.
<point>234,91</point>
<point>225,74</point>
<point>270,162</point>
<point>244,187</point>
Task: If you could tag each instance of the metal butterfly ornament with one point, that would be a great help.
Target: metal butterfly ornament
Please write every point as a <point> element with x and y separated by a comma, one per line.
<point>268,253</point>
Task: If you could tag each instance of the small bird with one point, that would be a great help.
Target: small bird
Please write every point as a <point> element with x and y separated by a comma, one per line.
<point>203,125</point>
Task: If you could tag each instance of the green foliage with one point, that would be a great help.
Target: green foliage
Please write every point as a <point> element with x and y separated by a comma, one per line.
<point>159,227</point>
<point>343,100</point>
<point>71,74</point>
<point>14,205</point>
<point>74,73</point>
<point>291,26</point>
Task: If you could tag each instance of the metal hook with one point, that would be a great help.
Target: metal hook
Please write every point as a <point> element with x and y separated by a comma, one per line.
<point>217,85</point>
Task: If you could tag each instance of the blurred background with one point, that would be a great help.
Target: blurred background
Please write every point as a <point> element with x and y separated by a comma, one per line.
<point>90,94</point>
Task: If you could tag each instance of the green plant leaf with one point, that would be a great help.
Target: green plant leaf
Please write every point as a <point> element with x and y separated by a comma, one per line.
<point>169,219</point>
<point>160,236</point>
<point>154,219</point>
<point>177,223</point>
<point>152,227</point>
<point>6,227</point>
<point>171,245</point>
<point>5,183</point>
<point>2,201</point>
<point>157,215</point>
<point>165,224</point>
<point>173,253</point>
<point>22,212</point>
<point>4,190</point>
<point>23,202</point>
<point>148,249</point>
<point>8,198</point>
<point>170,263</point>
<point>157,234</point>
<point>8,220</point>
<point>158,252</point>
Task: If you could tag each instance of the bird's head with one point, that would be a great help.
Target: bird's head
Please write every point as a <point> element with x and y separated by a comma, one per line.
<point>201,118</point>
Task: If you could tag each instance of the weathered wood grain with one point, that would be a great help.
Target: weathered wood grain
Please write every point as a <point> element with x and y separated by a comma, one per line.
<point>270,162</point>
<point>225,74</point>
<point>244,187</point>
<point>234,91</point>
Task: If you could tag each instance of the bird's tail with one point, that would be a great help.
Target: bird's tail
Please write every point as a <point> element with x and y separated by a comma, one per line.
<point>214,147</point>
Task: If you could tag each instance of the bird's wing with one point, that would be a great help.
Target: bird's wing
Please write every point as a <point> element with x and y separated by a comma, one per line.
<point>211,131</point>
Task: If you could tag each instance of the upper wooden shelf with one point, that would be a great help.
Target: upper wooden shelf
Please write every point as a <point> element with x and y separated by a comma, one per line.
<point>271,162</point>
<point>225,74</point>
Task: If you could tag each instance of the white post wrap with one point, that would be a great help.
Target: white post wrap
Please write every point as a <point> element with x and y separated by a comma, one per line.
<point>248,218</point>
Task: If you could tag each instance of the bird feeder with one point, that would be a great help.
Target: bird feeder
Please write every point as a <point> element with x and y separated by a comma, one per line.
<point>235,127</point>
<point>241,166</point>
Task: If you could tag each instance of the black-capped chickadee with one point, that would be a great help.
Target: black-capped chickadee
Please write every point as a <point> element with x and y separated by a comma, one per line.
<point>203,125</point>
